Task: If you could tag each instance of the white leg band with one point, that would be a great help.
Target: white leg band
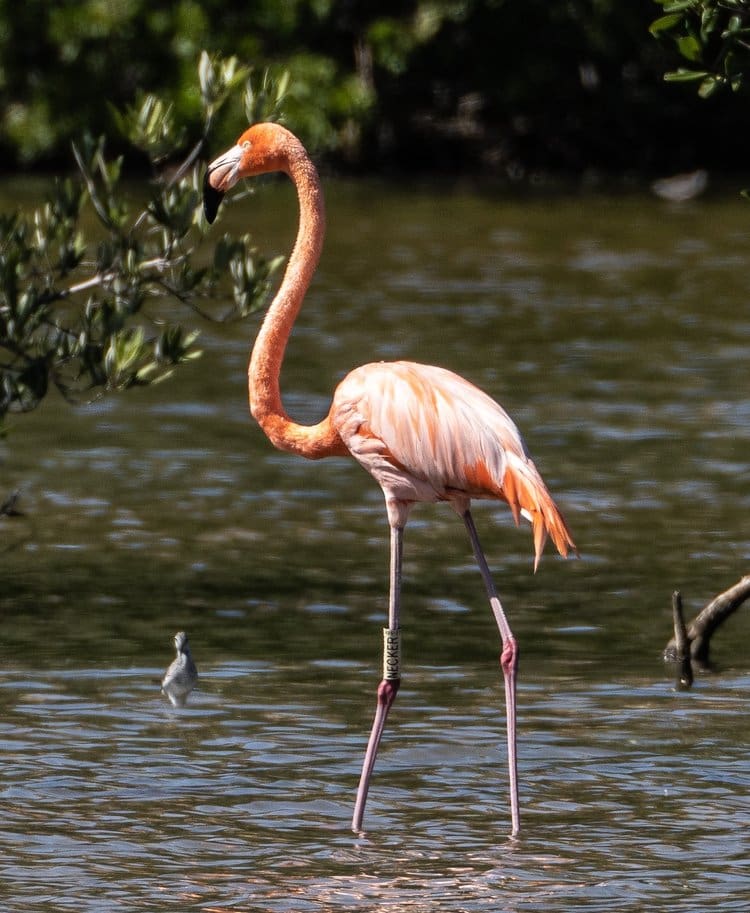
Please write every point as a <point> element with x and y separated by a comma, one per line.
<point>391,653</point>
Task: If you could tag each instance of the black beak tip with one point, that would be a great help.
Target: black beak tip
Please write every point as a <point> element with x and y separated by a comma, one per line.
<point>211,200</point>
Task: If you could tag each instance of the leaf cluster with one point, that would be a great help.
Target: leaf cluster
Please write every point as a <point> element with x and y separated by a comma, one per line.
<point>92,288</point>
<point>712,37</point>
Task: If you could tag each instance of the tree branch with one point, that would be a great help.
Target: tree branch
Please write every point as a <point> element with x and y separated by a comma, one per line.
<point>682,643</point>
<point>700,630</point>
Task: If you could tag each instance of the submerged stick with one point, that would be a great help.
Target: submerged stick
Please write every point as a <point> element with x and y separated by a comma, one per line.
<point>682,643</point>
<point>702,628</point>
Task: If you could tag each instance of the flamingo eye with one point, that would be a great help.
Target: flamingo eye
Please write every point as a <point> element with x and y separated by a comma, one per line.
<point>246,145</point>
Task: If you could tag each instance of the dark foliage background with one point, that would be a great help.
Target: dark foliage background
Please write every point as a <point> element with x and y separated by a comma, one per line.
<point>508,87</point>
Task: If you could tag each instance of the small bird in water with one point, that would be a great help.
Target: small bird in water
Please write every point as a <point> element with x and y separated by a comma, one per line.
<point>181,676</point>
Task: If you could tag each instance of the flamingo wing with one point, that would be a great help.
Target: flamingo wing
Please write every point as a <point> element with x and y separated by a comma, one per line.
<point>427,434</point>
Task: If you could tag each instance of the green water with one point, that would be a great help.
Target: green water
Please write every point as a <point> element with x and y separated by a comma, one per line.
<point>615,332</point>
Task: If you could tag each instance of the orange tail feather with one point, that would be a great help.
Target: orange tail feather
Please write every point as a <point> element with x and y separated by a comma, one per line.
<point>526,493</point>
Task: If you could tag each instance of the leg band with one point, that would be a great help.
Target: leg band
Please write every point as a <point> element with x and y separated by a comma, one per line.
<point>391,653</point>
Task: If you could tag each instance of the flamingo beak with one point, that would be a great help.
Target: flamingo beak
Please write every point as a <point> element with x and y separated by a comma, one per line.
<point>221,175</point>
<point>211,199</point>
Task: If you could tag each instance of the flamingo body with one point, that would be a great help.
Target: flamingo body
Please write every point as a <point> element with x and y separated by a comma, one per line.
<point>426,434</point>
<point>423,433</point>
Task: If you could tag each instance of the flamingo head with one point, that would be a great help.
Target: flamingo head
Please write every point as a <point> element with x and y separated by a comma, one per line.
<point>260,149</point>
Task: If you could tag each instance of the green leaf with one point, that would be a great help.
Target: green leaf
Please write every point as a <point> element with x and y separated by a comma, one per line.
<point>733,26</point>
<point>690,48</point>
<point>683,75</point>
<point>710,85</point>
<point>175,208</point>
<point>664,24</point>
<point>150,126</point>
<point>219,78</point>
<point>175,346</point>
<point>264,102</point>
<point>676,6</point>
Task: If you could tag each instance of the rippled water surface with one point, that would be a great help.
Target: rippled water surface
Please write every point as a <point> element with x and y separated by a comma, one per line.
<point>615,330</point>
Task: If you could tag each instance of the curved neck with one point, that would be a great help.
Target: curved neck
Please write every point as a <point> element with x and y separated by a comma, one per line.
<point>268,352</point>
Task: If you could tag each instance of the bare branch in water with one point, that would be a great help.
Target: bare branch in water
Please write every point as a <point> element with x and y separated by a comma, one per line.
<point>690,645</point>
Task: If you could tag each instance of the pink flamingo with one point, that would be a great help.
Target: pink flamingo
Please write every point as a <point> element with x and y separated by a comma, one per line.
<point>423,433</point>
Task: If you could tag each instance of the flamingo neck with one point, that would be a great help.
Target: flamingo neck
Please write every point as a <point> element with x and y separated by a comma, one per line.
<point>268,352</point>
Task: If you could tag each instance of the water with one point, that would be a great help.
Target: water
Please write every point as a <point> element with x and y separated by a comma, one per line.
<point>615,331</point>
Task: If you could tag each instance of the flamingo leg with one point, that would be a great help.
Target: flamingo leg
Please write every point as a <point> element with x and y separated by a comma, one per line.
<point>388,687</point>
<point>509,663</point>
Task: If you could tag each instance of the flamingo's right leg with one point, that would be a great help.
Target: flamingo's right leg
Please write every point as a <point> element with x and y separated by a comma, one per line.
<point>388,687</point>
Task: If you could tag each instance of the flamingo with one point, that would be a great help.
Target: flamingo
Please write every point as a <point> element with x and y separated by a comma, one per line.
<point>423,433</point>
